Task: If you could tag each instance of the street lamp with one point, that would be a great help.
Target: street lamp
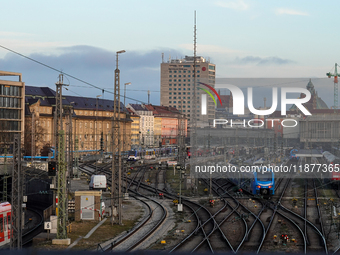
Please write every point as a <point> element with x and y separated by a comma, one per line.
<point>125,84</point>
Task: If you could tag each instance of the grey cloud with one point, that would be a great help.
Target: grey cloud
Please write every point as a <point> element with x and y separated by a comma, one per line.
<point>264,61</point>
<point>94,65</point>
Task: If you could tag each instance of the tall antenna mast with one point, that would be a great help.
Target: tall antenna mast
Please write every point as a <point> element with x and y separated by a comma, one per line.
<point>193,122</point>
<point>194,117</point>
<point>148,96</point>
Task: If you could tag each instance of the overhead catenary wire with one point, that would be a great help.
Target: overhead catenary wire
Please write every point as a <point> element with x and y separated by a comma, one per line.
<point>66,74</point>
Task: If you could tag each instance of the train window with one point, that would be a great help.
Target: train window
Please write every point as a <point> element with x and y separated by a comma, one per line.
<point>1,224</point>
<point>264,177</point>
<point>9,221</point>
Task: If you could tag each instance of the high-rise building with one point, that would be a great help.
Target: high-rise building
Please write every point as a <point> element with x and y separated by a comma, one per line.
<point>177,87</point>
<point>12,105</point>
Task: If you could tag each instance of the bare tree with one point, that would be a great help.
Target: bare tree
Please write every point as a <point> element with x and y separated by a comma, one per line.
<point>38,136</point>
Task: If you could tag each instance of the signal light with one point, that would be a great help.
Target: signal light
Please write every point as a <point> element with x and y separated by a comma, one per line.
<point>52,168</point>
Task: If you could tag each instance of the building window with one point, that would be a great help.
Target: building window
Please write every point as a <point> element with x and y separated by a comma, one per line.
<point>170,80</point>
<point>179,97</point>
<point>174,102</point>
<point>179,93</point>
<point>170,75</point>
<point>179,88</point>
<point>170,93</point>
<point>198,76</point>
<point>170,88</point>
<point>179,75</point>
<point>170,84</point>
<point>174,97</point>
<point>179,84</point>
<point>170,71</point>
<point>175,93</point>
<point>169,97</point>
<point>174,88</point>
<point>189,72</point>
<point>189,76</point>
<point>175,80</point>
<point>175,84</point>
<point>175,71</point>
<point>179,71</point>
<point>183,88</point>
<point>175,75</point>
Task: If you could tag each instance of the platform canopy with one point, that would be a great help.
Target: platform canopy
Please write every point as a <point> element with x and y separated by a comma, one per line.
<point>309,153</point>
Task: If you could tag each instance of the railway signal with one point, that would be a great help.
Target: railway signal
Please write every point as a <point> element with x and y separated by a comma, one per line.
<point>52,168</point>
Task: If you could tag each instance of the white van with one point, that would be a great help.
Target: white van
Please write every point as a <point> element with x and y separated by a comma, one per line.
<point>98,182</point>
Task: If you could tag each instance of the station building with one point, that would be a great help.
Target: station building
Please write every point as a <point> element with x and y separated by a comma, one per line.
<point>90,119</point>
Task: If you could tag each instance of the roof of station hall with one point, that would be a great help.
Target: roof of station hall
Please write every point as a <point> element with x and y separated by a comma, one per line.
<point>46,96</point>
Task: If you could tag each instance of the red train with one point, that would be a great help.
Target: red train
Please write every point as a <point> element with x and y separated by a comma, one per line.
<point>330,159</point>
<point>5,223</point>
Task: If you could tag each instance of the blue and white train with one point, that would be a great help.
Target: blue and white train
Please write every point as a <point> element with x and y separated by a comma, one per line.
<point>257,182</point>
<point>292,155</point>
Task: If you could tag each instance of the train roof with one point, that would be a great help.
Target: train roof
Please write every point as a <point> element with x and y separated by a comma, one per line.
<point>329,156</point>
<point>6,206</point>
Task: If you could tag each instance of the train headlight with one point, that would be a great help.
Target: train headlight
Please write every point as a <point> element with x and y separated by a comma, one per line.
<point>270,186</point>
<point>259,187</point>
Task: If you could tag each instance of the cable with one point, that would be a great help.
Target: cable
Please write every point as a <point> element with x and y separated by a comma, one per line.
<point>66,74</point>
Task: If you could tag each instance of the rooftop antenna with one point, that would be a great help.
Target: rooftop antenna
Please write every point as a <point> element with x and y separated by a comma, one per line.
<point>148,96</point>
<point>162,57</point>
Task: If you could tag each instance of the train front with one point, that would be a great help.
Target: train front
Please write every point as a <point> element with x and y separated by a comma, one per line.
<point>264,183</point>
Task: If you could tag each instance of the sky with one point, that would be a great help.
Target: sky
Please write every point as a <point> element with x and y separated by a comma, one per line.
<point>245,39</point>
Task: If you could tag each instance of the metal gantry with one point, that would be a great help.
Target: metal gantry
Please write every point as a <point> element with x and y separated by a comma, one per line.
<point>17,196</point>
<point>62,191</point>
<point>116,147</point>
<point>61,164</point>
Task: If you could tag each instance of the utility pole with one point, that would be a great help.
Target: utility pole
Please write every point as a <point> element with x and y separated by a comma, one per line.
<point>33,133</point>
<point>60,155</point>
<point>116,147</point>
<point>96,130</point>
<point>76,156</point>
<point>17,196</point>
<point>181,153</point>
<point>69,141</point>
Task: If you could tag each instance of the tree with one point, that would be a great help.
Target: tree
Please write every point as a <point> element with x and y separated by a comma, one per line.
<point>38,135</point>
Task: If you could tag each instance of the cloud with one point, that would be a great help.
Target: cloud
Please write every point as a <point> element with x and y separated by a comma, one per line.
<point>93,65</point>
<point>283,11</point>
<point>263,61</point>
<point>236,5</point>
